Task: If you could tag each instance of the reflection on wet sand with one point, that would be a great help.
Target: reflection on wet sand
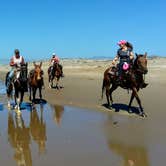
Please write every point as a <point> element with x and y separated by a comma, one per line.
<point>58,113</point>
<point>19,135</point>
<point>132,156</point>
<point>38,128</point>
<point>19,139</point>
<point>123,144</point>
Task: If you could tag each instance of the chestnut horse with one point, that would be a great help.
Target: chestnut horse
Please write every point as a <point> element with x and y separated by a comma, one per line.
<point>54,72</point>
<point>35,81</point>
<point>132,81</point>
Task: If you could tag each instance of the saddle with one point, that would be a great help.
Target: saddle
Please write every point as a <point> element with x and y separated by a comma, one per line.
<point>114,72</point>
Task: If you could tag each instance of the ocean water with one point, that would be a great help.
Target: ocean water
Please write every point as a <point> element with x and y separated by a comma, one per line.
<point>2,88</point>
<point>4,61</point>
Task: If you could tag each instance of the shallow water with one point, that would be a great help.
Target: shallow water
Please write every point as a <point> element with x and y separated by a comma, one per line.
<point>2,88</point>
<point>61,135</point>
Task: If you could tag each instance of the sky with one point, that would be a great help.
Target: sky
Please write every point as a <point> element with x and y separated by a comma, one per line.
<point>81,28</point>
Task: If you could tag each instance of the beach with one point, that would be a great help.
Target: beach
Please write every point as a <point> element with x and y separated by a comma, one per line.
<point>82,83</point>
<point>128,138</point>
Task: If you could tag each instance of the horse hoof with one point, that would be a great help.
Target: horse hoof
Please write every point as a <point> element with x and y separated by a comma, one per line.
<point>143,115</point>
<point>109,107</point>
<point>18,112</point>
<point>8,105</point>
<point>130,111</point>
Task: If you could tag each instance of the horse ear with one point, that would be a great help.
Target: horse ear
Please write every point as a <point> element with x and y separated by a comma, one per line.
<point>145,54</point>
<point>136,54</point>
<point>40,64</point>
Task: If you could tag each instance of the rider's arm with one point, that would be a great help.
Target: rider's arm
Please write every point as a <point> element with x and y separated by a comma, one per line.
<point>11,62</point>
<point>115,59</point>
<point>131,55</point>
<point>51,61</point>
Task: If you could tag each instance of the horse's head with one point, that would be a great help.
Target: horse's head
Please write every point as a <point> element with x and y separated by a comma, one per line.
<point>23,71</point>
<point>141,63</point>
<point>38,71</point>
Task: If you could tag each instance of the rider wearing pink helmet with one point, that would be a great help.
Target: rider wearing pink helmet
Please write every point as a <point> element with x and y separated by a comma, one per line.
<point>125,57</point>
<point>124,54</point>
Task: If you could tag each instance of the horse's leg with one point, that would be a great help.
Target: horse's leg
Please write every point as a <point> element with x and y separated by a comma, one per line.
<point>57,82</point>
<point>21,98</point>
<point>113,87</point>
<point>34,93</point>
<point>52,80</point>
<point>141,111</point>
<point>107,95</point>
<point>40,93</point>
<point>17,100</point>
<point>49,81</point>
<point>131,100</point>
<point>8,101</point>
<point>30,93</point>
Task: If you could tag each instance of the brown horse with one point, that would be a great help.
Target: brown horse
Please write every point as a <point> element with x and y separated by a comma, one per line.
<point>132,80</point>
<point>35,80</point>
<point>54,72</point>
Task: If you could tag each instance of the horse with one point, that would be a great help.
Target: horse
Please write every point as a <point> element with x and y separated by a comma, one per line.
<point>54,72</point>
<point>19,85</point>
<point>132,81</point>
<point>35,81</point>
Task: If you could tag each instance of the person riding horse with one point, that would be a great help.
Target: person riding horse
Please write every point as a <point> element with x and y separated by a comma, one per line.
<point>125,57</point>
<point>15,62</point>
<point>55,60</point>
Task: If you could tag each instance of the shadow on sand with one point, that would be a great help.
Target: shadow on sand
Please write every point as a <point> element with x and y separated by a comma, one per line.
<point>57,87</point>
<point>118,107</point>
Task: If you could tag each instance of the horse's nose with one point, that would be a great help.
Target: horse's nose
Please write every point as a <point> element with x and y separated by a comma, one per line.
<point>38,78</point>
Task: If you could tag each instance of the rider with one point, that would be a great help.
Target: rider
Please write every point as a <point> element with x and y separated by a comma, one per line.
<point>55,59</point>
<point>15,62</point>
<point>124,54</point>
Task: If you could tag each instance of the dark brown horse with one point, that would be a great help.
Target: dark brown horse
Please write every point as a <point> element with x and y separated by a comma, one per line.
<point>19,84</point>
<point>132,80</point>
<point>54,72</point>
<point>35,81</point>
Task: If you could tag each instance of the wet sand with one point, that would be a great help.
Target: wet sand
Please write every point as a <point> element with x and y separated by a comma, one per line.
<point>101,136</point>
<point>62,135</point>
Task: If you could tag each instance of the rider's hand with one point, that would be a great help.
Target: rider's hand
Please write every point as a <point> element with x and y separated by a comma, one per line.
<point>113,63</point>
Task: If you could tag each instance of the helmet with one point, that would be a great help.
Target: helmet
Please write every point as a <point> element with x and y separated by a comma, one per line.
<point>16,51</point>
<point>122,42</point>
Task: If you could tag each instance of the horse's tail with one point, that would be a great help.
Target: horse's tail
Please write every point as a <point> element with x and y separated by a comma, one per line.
<point>103,88</point>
